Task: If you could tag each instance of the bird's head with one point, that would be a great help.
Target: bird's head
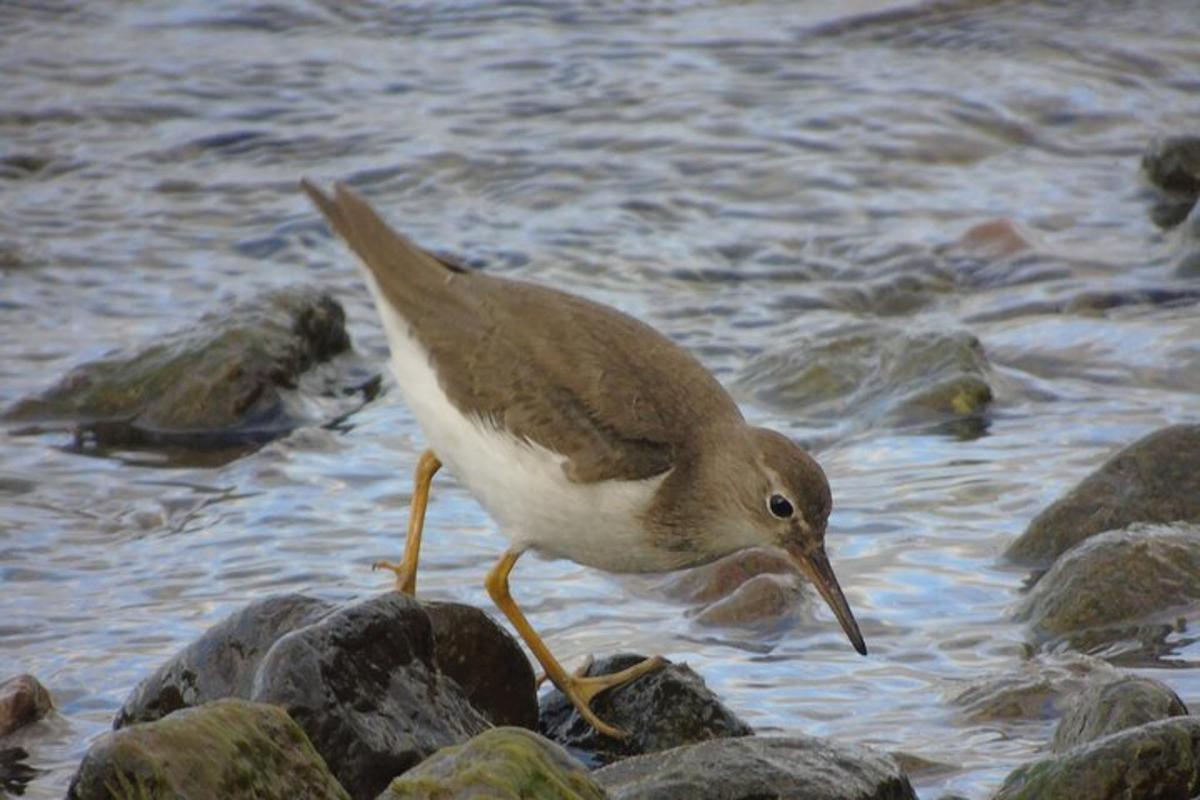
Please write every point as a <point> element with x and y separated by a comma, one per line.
<point>788,497</point>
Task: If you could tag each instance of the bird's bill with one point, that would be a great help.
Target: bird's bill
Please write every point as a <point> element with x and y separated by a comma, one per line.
<point>815,566</point>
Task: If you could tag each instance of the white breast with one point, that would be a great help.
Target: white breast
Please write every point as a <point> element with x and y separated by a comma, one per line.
<point>522,484</point>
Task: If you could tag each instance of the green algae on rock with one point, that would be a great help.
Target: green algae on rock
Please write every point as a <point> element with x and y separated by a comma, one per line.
<point>222,381</point>
<point>500,764</point>
<point>1155,479</point>
<point>1122,576</point>
<point>232,749</point>
<point>1127,702</point>
<point>1156,761</point>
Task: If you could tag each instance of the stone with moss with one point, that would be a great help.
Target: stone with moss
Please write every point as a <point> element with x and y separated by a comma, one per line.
<point>500,764</point>
<point>1155,479</point>
<point>1127,702</point>
<point>1155,761</point>
<point>232,749</point>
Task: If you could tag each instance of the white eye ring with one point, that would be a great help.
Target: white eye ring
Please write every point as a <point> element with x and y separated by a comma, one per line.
<point>780,507</point>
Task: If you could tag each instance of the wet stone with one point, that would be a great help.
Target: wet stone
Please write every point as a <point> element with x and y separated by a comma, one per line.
<point>1172,168</point>
<point>1156,761</point>
<point>364,685</point>
<point>1030,690</point>
<point>755,767</point>
<point>752,587</point>
<point>660,710</point>
<point>223,661</point>
<point>231,749</point>
<point>227,380</point>
<point>501,764</point>
<point>15,772</point>
<point>762,600</point>
<point>23,701</point>
<point>486,661</point>
<point>1114,706</point>
<point>1155,479</point>
<point>1123,576</point>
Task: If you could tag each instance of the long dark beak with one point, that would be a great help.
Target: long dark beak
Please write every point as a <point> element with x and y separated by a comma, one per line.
<point>815,566</point>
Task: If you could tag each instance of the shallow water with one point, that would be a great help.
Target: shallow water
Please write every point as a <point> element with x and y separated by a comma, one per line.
<point>741,175</point>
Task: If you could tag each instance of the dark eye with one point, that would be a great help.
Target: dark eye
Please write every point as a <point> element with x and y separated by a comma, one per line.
<point>780,506</point>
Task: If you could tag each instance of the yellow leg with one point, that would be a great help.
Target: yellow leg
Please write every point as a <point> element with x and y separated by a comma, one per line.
<point>406,570</point>
<point>579,689</point>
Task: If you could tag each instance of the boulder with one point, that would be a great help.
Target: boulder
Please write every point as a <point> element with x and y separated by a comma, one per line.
<point>486,661</point>
<point>230,749</point>
<point>1126,702</point>
<point>23,700</point>
<point>221,382</point>
<point>660,710</point>
<point>1155,479</point>
<point>874,372</point>
<point>754,767</point>
<point>500,764</point>
<point>1155,761</point>
<point>223,661</point>
<point>1113,580</point>
<point>364,685</point>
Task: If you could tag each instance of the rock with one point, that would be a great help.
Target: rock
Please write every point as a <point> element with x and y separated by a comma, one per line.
<point>230,749</point>
<point>722,577</point>
<point>1116,577</point>
<point>487,663</point>
<point>1155,479</point>
<point>1115,706</point>
<point>15,774</point>
<point>873,371</point>
<point>23,700</point>
<point>796,768</point>
<point>222,382</point>
<point>1172,168</point>
<point>364,685</point>
<point>500,764</point>
<point>749,587</point>
<point>1156,761</point>
<point>223,661</point>
<point>760,600</point>
<point>660,710</point>
<point>1032,690</point>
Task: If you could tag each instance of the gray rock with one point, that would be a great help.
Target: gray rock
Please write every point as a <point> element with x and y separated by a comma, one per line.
<point>660,710</point>
<point>1155,479</point>
<point>1031,690</point>
<point>23,700</point>
<point>875,371</point>
<point>750,768</point>
<point>487,663</point>
<point>762,600</point>
<point>1156,761</point>
<point>364,685</point>
<point>229,749</point>
<point>223,661</point>
<point>500,764</point>
<point>1115,579</point>
<point>1172,168</point>
<point>1114,706</point>
<point>218,383</point>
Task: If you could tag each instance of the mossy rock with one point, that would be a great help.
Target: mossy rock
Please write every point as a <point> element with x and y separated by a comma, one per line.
<point>1114,706</point>
<point>500,764</point>
<point>1156,761</point>
<point>231,749</point>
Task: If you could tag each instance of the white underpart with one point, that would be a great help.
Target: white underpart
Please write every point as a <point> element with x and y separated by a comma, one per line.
<point>522,484</point>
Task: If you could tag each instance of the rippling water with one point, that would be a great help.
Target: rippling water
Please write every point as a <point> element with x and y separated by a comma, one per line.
<point>741,175</point>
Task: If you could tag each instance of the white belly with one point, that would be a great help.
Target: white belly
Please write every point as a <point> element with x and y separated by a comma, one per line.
<point>521,484</point>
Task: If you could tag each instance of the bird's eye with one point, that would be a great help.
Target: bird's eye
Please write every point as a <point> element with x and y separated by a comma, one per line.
<point>780,506</point>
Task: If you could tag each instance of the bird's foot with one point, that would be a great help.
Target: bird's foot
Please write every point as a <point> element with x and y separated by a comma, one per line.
<point>581,689</point>
<point>406,577</point>
<point>580,672</point>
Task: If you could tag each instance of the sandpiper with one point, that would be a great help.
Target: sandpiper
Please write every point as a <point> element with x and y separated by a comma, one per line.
<point>585,433</point>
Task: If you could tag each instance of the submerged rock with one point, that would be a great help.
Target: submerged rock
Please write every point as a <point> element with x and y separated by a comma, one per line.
<point>756,767</point>
<point>750,587</point>
<point>1115,706</point>
<point>660,710</point>
<point>23,700</point>
<point>1156,761</point>
<point>1114,578</point>
<point>15,773</point>
<point>229,749</point>
<point>1031,690</point>
<point>1172,168</point>
<point>221,382</point>
<point>500,764</point>
<point>875,371</point>
<point>487,663</point>
<point>1155,479</point>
